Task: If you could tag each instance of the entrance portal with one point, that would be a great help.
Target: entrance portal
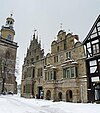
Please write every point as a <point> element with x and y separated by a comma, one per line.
<point>39,91</point>
<point>48,95</point>
<point>69,96</point>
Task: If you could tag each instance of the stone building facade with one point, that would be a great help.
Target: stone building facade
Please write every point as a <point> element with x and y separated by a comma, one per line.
<point>8,50</point>
<point>32,70</point>
<point>61,74</point>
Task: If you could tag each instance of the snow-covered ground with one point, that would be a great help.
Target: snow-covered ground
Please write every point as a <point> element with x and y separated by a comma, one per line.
<point>16,104</point>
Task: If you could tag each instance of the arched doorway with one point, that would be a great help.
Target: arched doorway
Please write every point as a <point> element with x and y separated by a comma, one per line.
<point>60,96</point>
<point>69,96</point>
<point>48,95</point>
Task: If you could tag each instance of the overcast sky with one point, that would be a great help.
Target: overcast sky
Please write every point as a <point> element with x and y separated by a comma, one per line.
<point>46,15</point>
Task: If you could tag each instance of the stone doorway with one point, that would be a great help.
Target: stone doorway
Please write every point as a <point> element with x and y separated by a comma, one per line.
<point>60,96</point>
<point>69,96</point>
<point>48,95</point>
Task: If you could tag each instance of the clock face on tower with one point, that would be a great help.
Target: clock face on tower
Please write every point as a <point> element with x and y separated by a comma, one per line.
<point>9,37</point>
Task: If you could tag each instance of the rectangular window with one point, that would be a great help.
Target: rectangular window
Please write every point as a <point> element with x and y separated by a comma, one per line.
<point>96,48</point>
<point>64,73</point>
<point>68,54</point>
<point>65,47</point>
<point>24,89</point>
<point>37,57</point>
<point>54,75</point>
<point>45,75</point>
<point>57,48</point>
<point>93,66</point>
<point>76,70</point>
<point>33,73</point>
<point>50,75</point>
<point>39,71</point>
<point>68,72</point>
<point>72,72</point>
<point>55,59</point>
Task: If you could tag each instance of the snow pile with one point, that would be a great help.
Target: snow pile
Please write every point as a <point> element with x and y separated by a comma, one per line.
<point>15,104</point>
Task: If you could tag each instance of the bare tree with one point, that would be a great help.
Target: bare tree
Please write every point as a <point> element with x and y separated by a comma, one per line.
<point>7,68</point>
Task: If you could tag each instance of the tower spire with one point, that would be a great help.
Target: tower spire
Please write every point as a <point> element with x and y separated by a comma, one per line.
<point>7,31</point>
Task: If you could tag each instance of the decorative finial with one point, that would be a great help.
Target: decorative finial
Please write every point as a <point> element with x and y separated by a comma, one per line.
<point>35,30</point>
<point>11,13</point>
<point>34,33</point>
<point>61,26</point>
<point>68,30</point>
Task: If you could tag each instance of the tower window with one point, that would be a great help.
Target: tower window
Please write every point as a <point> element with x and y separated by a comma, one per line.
<point>11,23</point>
<point>55,59</point>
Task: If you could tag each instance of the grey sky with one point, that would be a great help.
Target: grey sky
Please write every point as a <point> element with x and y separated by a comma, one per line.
<point>46,16</point>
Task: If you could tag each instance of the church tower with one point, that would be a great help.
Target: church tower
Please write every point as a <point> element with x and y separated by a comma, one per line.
<point>7,31</point>
<point>8,51</point>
